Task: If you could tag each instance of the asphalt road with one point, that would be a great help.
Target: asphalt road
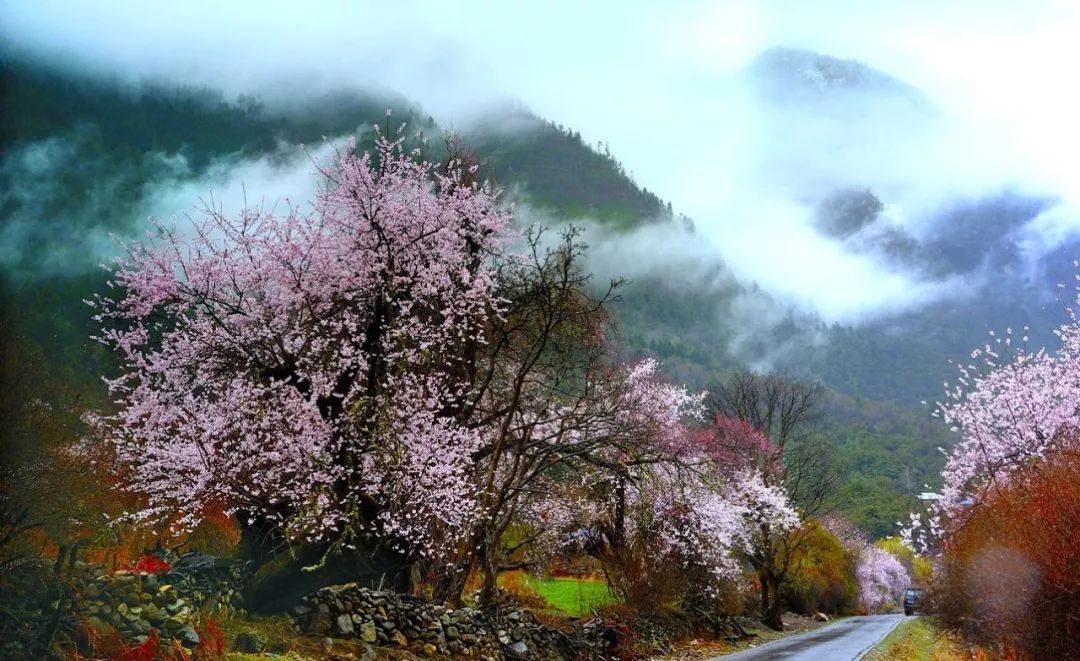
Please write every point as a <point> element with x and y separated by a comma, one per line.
<point>845,640</point>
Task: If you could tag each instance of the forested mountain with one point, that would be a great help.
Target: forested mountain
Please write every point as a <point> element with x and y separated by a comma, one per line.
<point>983,255</point>
<point>84,157</point>
<point>556,170</point>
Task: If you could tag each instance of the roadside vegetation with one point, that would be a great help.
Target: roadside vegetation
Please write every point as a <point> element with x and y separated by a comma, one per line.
<point>441,413</point>
<point>917,639</point>
<point>1004,528</point>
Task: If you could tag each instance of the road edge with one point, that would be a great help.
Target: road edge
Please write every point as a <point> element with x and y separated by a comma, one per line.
<point>872,645</point>
<point>780,640</point>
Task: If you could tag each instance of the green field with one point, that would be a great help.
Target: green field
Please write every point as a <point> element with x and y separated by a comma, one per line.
<point>573,596</point>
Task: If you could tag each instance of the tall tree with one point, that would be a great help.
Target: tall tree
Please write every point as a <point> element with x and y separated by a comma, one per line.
<point>398,365</point>
<point>308,370</point>
<point>782,411</point>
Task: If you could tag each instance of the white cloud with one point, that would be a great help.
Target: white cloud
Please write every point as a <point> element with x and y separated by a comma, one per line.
<point>660,82</point>
<point>230,185</point>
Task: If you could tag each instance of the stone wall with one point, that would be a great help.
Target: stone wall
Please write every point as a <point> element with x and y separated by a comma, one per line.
<point>135,602</point>
<point>383,618</point>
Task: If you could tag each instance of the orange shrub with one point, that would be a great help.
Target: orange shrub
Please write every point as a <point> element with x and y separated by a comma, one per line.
<point>1011,575</point>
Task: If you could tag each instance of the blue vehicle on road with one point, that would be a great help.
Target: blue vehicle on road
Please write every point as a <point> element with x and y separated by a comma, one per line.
<point>911,600</point>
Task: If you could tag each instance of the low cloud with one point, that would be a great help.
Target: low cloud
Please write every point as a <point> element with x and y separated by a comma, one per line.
<point>975,106</point>
<point>287,179</point>
<point>67,205</point>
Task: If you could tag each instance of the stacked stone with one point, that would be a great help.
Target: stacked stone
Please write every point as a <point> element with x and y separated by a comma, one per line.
<point>134,603</point>
<point>389,619</point>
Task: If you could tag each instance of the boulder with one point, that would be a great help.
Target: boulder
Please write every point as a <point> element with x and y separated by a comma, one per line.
<point>399,639</point>
<point>368,632</point>
<point>343,625</point>
<point>187,636</point>
<point>249,642</point>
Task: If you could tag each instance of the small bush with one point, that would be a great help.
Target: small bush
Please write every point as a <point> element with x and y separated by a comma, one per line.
<point>822,575</point>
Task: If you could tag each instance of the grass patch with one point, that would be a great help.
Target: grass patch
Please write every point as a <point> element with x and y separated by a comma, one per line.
<point>918,640</point>
<point>573,596</point>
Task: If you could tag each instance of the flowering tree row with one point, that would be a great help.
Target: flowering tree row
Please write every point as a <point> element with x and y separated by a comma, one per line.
<point>1004,526</point>
<point>401,365</point>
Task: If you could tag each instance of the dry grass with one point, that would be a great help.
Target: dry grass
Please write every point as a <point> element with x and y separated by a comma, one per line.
<point>919,640</point>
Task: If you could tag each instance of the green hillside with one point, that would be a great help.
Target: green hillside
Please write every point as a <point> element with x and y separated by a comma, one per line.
<point>81,158</point>
<point>556,170</point>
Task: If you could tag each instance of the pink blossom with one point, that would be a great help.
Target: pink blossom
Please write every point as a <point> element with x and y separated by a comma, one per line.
<point>881,579</point>
<point>1012,408</point>
<point>305,367</point>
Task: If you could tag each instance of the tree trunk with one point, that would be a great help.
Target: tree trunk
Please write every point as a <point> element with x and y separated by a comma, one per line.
<point>489,591</point>
<point>449,580</point>
<point>770,603</point>
<point>259,539</point>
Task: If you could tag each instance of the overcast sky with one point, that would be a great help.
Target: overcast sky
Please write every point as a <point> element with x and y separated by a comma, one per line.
<point>661,84</point>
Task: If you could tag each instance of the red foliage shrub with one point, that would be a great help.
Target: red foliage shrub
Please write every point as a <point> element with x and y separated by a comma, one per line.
<point>151,564</point>
<point>111,646</point>
<point>211,641</point>
<point>1011,575</point>
<point>147,651</point>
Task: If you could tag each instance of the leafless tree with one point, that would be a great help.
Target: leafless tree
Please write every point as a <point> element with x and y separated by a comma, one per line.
<point>786,411</point>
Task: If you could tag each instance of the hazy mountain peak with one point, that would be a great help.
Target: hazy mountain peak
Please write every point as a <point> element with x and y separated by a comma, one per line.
<point>792,69</point>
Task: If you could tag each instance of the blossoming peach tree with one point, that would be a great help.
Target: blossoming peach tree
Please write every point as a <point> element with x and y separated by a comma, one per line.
<point>398,365</point>
<point>308,370</point>
<point>1013,409</point>
<point>677,513</point>
<point>881,579</point>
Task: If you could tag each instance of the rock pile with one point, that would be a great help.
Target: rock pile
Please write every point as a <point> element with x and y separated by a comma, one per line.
<point>135,602</point>
<point>384,618</point>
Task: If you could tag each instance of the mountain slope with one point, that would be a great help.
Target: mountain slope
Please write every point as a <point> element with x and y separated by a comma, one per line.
<point>554,169</point>
<point>88,156</point>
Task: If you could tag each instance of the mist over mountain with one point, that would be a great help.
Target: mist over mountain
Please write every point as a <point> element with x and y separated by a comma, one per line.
<point>73,164</point>
<point>931,268</point>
